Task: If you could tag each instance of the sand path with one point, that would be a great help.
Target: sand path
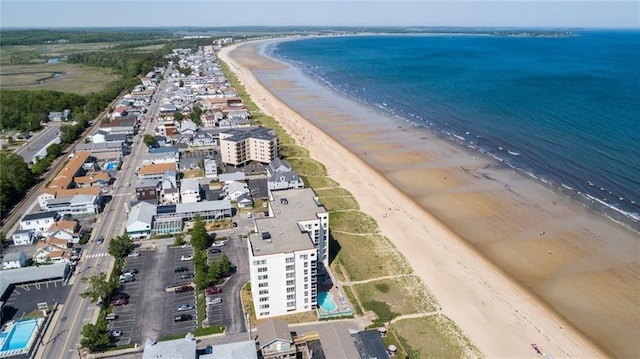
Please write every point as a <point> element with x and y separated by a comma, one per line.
<point>499,317</point>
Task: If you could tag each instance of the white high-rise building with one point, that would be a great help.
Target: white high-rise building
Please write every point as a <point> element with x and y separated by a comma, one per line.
<point>285,252</point>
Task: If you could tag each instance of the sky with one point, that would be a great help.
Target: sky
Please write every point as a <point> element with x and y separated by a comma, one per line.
<point>212,13</point>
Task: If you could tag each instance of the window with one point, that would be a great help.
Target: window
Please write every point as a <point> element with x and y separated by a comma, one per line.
<point>264,306</point>
<point>291,289</point>
<point>263,277</point>
<point>306,286</point>
<point>264,291</point>
<point>289,260</point>
<point>306,293</point>
<point>291,304</point>
<point>306,271</point>
<point>262,269</point>
<point>264,313</point>
<point>262,285</point>
<point>306,264</point>
<point>304,256</point>
<point>291,296</point>
<point>291,275</point>
<point>291,282</point>
<point>290,267</point>
<point>264,299</point>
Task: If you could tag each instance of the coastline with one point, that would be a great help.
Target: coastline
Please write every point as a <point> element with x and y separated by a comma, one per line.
<point>500,215</point>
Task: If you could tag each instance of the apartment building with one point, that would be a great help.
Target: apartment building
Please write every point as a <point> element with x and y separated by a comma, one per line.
<point>238,147</point>
<point>285,252</point>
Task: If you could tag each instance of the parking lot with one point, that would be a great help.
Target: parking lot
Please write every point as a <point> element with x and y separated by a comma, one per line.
<point>24,298</point>
<point>153,303</point>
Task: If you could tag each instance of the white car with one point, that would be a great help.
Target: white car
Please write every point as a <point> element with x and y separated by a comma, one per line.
<point>116,333</point>
<point>219,244</point>
<point>134,254</point>
<point>186,258</point>
<point>184,307</point>
<point>214,300</point>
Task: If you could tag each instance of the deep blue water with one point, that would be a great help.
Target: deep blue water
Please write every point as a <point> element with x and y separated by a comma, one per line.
<point>565,111</point>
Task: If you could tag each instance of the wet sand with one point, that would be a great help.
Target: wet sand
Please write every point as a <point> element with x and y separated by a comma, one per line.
<point>510,261</point>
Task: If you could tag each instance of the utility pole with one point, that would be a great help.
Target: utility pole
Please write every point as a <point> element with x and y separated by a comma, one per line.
<point>248,314</point>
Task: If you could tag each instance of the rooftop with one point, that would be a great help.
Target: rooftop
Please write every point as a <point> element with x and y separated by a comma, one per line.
<point>40,215</point>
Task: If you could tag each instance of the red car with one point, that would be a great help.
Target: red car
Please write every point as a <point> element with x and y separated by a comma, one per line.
<point>213,290</point>
<point>184,289</point>
<point>120,301</point>
<point>121,296</point>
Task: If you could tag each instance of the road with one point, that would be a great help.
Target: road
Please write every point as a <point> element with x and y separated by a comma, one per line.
<point>78,311</point>
<point>34,144</point>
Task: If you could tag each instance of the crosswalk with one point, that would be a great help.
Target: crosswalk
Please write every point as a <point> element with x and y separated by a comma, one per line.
<point>96,255</point>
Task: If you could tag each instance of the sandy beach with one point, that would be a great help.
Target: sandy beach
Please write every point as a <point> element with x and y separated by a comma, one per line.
<point>510,261</point>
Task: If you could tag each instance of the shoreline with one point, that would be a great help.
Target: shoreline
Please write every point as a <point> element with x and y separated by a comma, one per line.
<point>470,289</point>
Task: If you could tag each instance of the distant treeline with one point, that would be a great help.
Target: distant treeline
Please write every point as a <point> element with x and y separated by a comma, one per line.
<point>39,37</point>
<point>126,63</point>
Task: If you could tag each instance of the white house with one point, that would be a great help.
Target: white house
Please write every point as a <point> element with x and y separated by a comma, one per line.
<point>53,250</point>
<point>23,237</point>
<point>140,220</point>
<point>14,260</point>
<point>235,189</point>
<point>190,190</point>
<point>39,222</point>
<point>210,168</point>
<point>76,205</point>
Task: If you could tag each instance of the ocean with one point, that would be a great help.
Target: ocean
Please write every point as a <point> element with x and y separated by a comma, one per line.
<point>562,110</point>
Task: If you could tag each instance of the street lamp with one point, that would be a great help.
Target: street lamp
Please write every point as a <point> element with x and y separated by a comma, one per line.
<point>248,314</point>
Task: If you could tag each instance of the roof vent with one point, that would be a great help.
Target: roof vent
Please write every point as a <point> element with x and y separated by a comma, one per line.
<point>266,235</point>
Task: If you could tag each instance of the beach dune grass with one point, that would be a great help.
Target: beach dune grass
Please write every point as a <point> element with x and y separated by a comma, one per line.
<point>333,192</point>
<point>308,167</point>
<point>434,336</point>
<point>380,259</point>
<point>354,222</point>
<point>291,151</point>
<point>404,295</point>
<point>319,182</point>
<point>339,203</point>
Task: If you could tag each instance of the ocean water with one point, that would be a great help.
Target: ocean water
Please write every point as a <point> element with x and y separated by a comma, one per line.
<point>563,110</point>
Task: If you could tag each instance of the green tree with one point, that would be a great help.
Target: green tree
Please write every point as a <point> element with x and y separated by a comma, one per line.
<point>54,150</point>
<point>195,115</point>
<point>177,116</point>
<point>100,287</point>
<point>225,265</point>
<point>148,140</point>
<point>214,273</point>
<point>120,246</point>
<point>95,336</point>
<point>199,235</point>
<point>15,179</point>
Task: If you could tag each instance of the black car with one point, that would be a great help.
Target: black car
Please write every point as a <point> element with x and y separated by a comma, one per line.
<point>100,240</point>
<point>214,250</point>
<point>182,317</point>
<point>181,269</point>
<point>186,276</point>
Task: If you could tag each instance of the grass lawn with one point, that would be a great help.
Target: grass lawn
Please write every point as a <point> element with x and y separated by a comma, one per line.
<point>339,203</point>
<point>353,222</point>
<point>380,258</point>
<point>193,173</point>
<point>404,295</point>
<point>319,182</point>
<point>73,78</point>
<point>434,337</point>
<point>288,151</point>
<point>308,167</point>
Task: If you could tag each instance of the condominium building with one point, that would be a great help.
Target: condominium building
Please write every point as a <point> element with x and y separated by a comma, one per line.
<point>285,252</point>
<point>238,147</point>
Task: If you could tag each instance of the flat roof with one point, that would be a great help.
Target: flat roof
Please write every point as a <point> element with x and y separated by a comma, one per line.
<point>286,235</point>
<point>31,274</point>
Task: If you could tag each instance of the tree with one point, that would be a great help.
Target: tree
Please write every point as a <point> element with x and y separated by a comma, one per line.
<point>225,264</point>
<point>195,115</point>
<point>120,246</point>
<point>199,235</point>
<point>54,150</point>
<point>214,273</point>
<point>100,288</point>
<point>148,140</point>
<point>95,336</point>
<point>177,116</point>
<point>15,179</point>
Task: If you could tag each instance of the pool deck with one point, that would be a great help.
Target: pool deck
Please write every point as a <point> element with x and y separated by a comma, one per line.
<point>342,303</point>
<point>6,329</point>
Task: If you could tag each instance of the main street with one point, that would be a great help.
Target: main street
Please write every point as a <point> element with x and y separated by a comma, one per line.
<point>78,311</point>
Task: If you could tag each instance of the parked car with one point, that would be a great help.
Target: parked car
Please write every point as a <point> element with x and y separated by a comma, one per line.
<point>116,333</point>
<point>250,214</point>
<point>214,300</point>
<point>126,275</point>
<point>184,289</point>
<point>182,317</point>
<point>214,251</point>
<point>186,258</point>
<point>234,224</point>
<point>134,254</point>
<point>186,276</point>
<point>213,290</point>
<point>131,271</point>
<point>181,269</point>
<point>183,307</point>
<point>122,295</point>
<point>219,244</point>
<point>119,302</point>
<point>100,240</point>
<point>127,279</point>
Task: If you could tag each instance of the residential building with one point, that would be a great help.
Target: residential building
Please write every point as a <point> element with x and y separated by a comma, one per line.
<point>140,220</point>
<point>14,260</point>
<point>210,168</point>
<point>275,340</point>
<point>285,251</point>
<point>156,170</point>
<point>238,147</point>
<point>75,205</point>
<point>183,348</point>
<point>244,350</point>
<point>105,150</point>
<point>23,237</point>
<point>189,190</point>
<point>52,250</point>
<point>235,189</point>
<point>39,222</point>
<point>147,189</point>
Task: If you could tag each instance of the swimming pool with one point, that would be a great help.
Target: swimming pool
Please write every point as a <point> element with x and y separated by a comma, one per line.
<point>19,336</point>
<point>111,165</point>
<point>325,301</point>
